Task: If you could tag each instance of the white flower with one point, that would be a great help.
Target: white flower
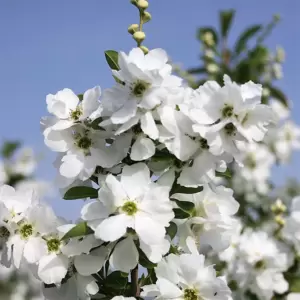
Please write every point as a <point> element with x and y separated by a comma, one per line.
<point>88,149</point>
<point>211,222</point>
<point>256,170</point>
<point>27,242</point>
<point>284,139</point>
<point>280,110</point>
<point>147,80</point>
<point>258,247</point>
<point>260,263</point>
<point>25,163</point>
<point>41,187</point>
<point>232,109</point>
<point>83,263</point>
<point>186,277</point>
<point>17,202</point>
<point>268,282</point>
<point>134,202</point>
<point>68,109</point>
<point>53,265</point>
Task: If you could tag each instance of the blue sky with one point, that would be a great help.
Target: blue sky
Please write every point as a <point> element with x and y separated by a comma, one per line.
<point>48,45</point>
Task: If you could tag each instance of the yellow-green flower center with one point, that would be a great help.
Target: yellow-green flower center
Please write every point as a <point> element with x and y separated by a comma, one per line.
<point>190,294</point>
<point>26,231</point>
<point>53,245</point>
<point>139,88</point>
<point>230,129</point>
<point>227,111</point>
<point>130,208</point>
<point>84,142</point>
<point>260,265</point>
<point>75,114</point>
<point>250,162</point>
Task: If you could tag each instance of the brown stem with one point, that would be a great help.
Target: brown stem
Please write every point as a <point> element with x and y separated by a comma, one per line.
<point>135,281</point>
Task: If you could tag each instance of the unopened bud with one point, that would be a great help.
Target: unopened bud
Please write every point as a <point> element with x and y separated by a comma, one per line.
<point>144,49</point>
<point>142,4</point>
<point>212,68</point>
<point>266,92</point>
<point>133,28</point>
<point>279,220</point>
<point>280,54</point>
<point>276,17</point>
<point>208,38</point>
<point>278,207</point>
<point>146,17</point>
<point>209,53</point>
<point>139,36</point>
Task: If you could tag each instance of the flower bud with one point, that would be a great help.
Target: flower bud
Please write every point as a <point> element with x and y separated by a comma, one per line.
<point>139,36</point>
<point>142,4</point>
<point>144,49</point>
<point>277,70</point>
<point>280,54</point>
<point>146,17</point>
<point>212,68</point>
<point>208,38</point>
<point>133,28</point>
<point>278,207</point>
<point>266,92</point>
<point>279,220</point>
<point>276,17</point>
<point>209,53</point>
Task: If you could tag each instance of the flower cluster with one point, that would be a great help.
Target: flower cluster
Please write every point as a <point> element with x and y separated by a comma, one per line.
<point>256,261</point>
<point>148,152</point>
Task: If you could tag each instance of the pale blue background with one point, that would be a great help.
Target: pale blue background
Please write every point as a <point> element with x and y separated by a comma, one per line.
<point>48,45</point>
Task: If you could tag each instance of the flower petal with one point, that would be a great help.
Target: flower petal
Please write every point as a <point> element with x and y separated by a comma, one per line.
<point>135,179</point>
<point>113,228</point>
<point>125,256</point>
<point>148,125</point>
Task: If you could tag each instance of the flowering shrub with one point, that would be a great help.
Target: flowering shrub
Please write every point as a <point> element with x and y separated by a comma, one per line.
<point>151,157</point>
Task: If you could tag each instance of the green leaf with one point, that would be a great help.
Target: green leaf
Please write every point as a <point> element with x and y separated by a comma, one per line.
<point>226,18</point>
<point>226,174</point>
<point>95,123</point>
<point>112,59</point>
<point>80,229</point>
<point>295,285</point>
<point>180,214</point>
<point>242,72</point>
<point>246,35</point>
<point>185,190</point>
<point>279,95</point>
<point>186,205</point>
<point>81,192</point>
<point>172,230</point>
<point>201,32</point>
<point>80,97</point>
<point>116,280</point>
<point>199,70</point>
<point>9,148</point>
<point>144,261</point>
